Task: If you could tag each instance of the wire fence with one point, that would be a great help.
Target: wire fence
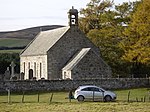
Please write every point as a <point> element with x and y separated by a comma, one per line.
<point>33,97</point>
<point>136,95</point>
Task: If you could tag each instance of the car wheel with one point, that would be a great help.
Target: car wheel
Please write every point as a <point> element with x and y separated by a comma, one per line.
<point>80,98</point>
<point>107,98</point>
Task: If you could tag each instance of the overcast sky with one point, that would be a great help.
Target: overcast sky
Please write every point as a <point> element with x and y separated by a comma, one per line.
<point>20,14</point>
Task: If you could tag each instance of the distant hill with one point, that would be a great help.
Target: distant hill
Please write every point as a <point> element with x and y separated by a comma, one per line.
<point>16,40</point>
<point>28,33</point>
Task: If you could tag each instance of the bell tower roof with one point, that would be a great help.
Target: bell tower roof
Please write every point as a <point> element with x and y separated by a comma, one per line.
<point>73,11</point>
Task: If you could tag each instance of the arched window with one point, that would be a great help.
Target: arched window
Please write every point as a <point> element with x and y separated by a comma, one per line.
<point>24,67</point>
<point>34,69</point>
<point>30,74</point>
<point>40,70</point>
<point>28,65</point>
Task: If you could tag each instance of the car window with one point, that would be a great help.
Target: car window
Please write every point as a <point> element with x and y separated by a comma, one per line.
<point>96,89</point>
<point>91,89</point>
<point>88,89</point>
<point>101,90</point>
<point>85,89</point>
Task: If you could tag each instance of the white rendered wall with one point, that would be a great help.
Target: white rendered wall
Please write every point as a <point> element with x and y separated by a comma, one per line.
<point>36,70</point>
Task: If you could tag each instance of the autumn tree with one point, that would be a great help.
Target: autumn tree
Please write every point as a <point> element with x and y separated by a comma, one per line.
<point>104,26</point>
<point>91,15</point>
<point>137,40</point>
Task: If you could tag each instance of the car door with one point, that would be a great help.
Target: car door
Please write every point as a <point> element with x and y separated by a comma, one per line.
<point>87,93</point>
<point>98,94</point>
<point>94,93</point>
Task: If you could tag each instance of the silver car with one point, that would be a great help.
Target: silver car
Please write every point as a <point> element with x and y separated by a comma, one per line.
<point>94,93</point>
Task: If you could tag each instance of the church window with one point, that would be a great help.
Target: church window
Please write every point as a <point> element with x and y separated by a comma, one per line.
<point>72,16</point>
<point>40,70</point>
<point>35,69</point>
<point>29,65</point>
<point>73,19</point>
<point>24,67</point>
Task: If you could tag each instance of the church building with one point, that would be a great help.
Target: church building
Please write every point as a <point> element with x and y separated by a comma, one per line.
<point>63,53</point>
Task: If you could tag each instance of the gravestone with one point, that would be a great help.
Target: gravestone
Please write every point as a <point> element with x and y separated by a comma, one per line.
<point>21,76</point>
<point>7,75</point>
<point>14,78</point>
<point>12,65</point>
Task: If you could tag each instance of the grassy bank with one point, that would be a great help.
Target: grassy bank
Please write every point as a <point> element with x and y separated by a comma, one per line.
<point>76,107</point>
<point>60,103</point>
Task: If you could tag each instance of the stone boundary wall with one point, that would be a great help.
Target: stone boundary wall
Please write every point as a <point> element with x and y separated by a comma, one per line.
<point>61,85</point>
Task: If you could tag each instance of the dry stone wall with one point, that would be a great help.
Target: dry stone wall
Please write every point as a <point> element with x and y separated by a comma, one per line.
<point>61,85</point>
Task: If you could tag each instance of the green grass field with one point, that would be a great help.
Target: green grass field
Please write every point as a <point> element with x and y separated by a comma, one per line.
<point>10,51</point>
<point>76,107</point>
<point>60,103</point>
<point>140,94</point>
<point>12,42</point>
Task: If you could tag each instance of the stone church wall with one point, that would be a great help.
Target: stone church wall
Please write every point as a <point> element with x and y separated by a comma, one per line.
<point>59,55</point>
<point>91,66</point>
<point>59,85</point>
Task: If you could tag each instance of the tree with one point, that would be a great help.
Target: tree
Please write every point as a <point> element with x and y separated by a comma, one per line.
<point>104,26</point>
<point>6,59</point>
<point>91,15</point>
<point>137,40</point>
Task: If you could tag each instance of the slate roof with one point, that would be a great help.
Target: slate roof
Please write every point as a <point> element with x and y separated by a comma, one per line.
<point>76,59</point>
<point>44,41</point>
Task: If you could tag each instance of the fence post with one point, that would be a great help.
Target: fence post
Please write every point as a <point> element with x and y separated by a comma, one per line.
<point>22,97</point>
<point>103,96</point>
<point>141,99</point>
<point>38,97</point>
<point>93,96</point>
<point>136,99</point>
<point>51,98</point>
<point>128,96</point>
<point>144,98</point>
<point>9,97</point>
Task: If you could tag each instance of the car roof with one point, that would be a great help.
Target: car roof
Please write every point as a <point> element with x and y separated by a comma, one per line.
<point>85,86</point>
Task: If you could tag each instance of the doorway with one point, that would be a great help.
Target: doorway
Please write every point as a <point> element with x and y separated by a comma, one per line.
<point>30,74</point>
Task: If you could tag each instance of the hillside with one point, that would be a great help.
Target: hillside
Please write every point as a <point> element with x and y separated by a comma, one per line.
<point>16,40</point>
<point>28,33</point>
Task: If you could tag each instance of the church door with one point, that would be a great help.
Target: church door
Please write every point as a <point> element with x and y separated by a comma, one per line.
<point>30,74</point>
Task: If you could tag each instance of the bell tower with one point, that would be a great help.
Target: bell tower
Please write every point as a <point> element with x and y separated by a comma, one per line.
<point>73,17</point>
